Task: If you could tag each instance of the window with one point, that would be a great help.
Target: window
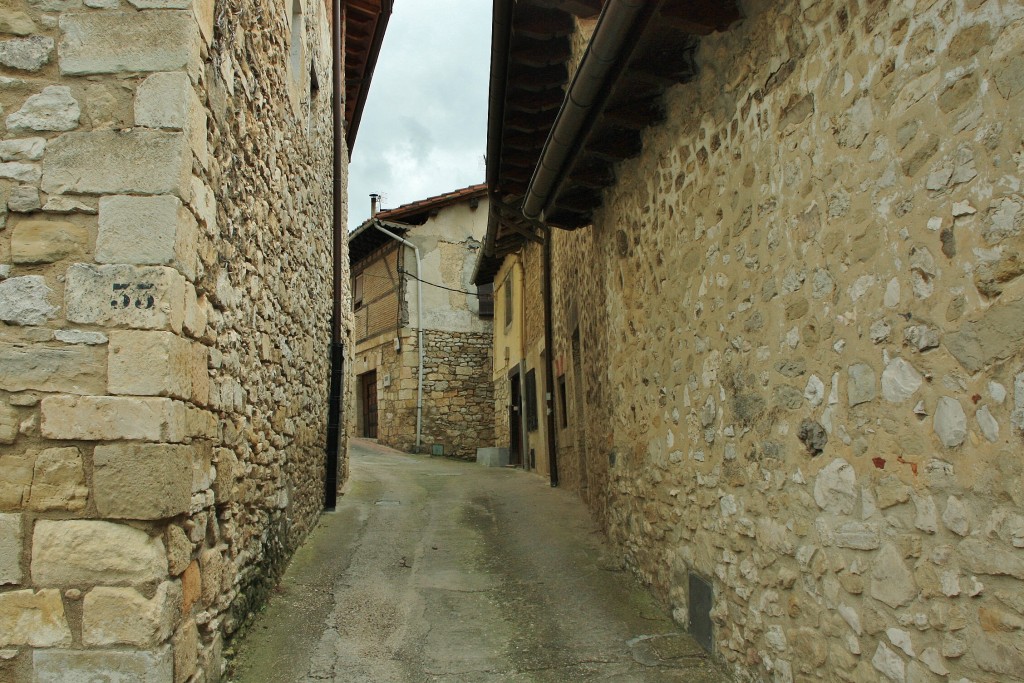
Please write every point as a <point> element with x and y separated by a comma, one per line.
<point>357,293</point>
<point>562,403</point>
<point>531,401</point>
<point>485,296</point>
<point>508,301</point>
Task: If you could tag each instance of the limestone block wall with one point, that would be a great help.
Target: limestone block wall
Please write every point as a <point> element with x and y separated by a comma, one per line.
<point>814,343</point>
<point>165,302</point>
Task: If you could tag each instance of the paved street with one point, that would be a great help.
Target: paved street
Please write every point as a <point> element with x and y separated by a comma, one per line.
<point>435,570</point>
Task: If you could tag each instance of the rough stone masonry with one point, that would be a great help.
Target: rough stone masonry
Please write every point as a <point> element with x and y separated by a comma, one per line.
<point>802,317</point>
<point>165,187</point>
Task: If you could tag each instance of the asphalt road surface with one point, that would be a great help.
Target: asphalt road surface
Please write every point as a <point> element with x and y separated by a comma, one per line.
<point>436,570</point>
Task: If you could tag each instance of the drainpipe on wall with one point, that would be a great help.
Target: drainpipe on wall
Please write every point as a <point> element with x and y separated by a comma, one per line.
<point>549,357</point>
<point>336,390</point>
<point>419,326</point>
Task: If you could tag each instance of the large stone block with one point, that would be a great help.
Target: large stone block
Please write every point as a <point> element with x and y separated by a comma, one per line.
<point>149,364</point>
<point>16,482</point>
<point>144,297</point>
<point>42,241</point>
<point>142,481</point>
<point>58,481</point>
<point>128,42</point>
<point>76,552</point>
<point>10,549</point>
<point>33,618</point>
<point>118,162</point>
<point>147,231</point>
<point>109,666</point>
<point>123,616</point>
<point>111,418</point>
<point>76,369</point>
<point>997,335</point>
<point>26,301</point>
<point>169,101</point>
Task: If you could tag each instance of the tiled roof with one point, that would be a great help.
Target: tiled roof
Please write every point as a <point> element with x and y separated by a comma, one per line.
<point>433,203</point>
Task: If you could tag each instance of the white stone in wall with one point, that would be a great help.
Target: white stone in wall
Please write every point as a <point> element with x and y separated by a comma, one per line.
<point>891,581</point>
<point>23,149</point>
<point>861,384</point>
<point>835,487</point>
<point>900,380</point>
<point>950,422</point>
<point>107,418</point>
<point>25,301</point>
<point>892,294</point>
<point>26,54</point>
<point>97,43</point>
<point>73,370</point>
<point>80,337</point>
<point>926,517</point>
<point>20,171</point>
<point>955,516</point>
<point>24,199</point>
<point>987,424</point>
<point>76,552</point>
<point>814,392</point>
<point>890,664</point>
<point>54,109</point>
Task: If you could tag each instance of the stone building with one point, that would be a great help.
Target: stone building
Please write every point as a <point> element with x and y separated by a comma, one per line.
<point>168,183</point>
<point>412,272</point>
<point>785,314</point>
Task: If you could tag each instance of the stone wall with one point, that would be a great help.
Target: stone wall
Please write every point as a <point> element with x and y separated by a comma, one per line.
<point>165,298</point>
<point>458,403</point>
<point>814,376</point>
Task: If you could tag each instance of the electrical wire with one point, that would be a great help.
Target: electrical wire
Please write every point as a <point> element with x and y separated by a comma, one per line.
<point>426,282</point>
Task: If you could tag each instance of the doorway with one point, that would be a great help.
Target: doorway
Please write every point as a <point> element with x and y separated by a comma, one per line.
<point>515,425</point>
<point>368,400</point>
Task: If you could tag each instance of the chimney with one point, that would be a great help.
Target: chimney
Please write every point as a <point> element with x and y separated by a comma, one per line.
<point>374,204</point>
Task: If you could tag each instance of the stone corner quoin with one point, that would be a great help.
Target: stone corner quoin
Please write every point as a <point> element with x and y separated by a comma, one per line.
<point>157,468</point>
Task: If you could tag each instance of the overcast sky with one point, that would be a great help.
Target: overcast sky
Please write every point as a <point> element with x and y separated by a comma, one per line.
<point>423,130</point>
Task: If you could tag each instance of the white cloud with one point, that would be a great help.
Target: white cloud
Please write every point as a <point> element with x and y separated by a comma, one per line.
<point>423,130</point>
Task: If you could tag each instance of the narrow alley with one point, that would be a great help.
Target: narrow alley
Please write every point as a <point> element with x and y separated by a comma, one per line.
<point>436,570</point>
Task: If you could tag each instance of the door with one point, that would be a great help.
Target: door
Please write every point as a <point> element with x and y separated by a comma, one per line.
<point>368,396</point>
<point>515,426</point>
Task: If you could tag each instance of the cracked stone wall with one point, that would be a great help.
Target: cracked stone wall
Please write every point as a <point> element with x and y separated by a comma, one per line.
<point>809,331</point>
<point>165,302</point>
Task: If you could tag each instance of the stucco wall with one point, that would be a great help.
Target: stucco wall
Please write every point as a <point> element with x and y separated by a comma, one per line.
<point>165,292</point>
<point>812,304</point>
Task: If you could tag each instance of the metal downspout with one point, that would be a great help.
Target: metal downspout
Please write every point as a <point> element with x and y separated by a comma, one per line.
<point>337,350</point>
<point>614,26</point>
<point>419,326</point>
<point>549,370</point>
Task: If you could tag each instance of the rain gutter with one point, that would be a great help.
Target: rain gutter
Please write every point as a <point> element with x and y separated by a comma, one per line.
<point>589,88</point>
<point>419,326</point>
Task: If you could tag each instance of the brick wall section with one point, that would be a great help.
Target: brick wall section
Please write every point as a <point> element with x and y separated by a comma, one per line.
<point>814,380</point>
<point>163,347</point>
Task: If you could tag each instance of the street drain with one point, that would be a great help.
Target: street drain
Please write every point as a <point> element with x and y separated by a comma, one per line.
<point>389,502</point>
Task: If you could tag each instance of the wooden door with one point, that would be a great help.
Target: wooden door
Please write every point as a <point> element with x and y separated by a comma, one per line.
<point>368,394</point>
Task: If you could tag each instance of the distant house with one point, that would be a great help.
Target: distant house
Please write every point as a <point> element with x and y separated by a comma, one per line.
<point>412,271</point>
